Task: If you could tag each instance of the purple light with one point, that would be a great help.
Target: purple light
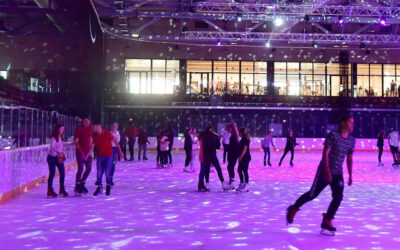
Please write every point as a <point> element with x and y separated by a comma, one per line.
<point>219,43</point>
<point>341,21</point>
<point>382,21</point>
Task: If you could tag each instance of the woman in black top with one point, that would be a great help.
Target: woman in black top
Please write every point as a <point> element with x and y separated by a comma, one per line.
<point>381,137</point>
<point>188,148</point>
<point>233,153</point>
<point>244,160</point>
<point>290,144</point>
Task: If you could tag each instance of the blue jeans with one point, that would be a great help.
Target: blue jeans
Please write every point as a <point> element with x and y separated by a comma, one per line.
<point>202,173</point>
<point>144,149</point>
<point>53,163</point>
<point>104,165</point>
<point>114,160</point>
<point>267,152</point>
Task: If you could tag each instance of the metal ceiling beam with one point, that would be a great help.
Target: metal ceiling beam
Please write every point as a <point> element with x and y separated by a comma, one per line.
<point>136,5</point>
<point>146,25</point>
<point>213,25</point>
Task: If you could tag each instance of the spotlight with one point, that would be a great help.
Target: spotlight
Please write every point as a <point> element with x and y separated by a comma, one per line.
<point>218,43</point>
<point>341,20</point>
<point>239,17</point>
<point>135,35</point>
<point>315,44</point>
<point>382,21</point>
<point>278,22</point>
<point>267,44</point>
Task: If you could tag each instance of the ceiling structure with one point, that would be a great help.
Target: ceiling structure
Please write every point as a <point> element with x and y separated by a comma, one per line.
<point>277,23</point>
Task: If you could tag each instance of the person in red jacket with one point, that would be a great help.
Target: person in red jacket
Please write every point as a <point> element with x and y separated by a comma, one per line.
<point>132,131</point>
<point>102,140</point>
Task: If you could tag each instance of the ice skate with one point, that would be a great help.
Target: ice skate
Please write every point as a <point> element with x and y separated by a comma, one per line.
<point>265,163</point>
<point>99,191</point>
<point>225,186</point>
<point>326,226</point>
<point>290,213</point>
<point>269,164</point>
<point>291,164</point>
<point>51,193</point>
<point>186,170</point>
<point>78,189</point>
<point>240,187</point>
<point>108,190</point>
<point>201,187</point>
<point>207,187</point>
<point>63,193</point>
<point>230,185</point>
<point>83,189</point>
<point>245,188</point>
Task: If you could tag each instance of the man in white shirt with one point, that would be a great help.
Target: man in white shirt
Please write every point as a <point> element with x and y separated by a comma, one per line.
<point>225,140</point>
<point>394,146</point>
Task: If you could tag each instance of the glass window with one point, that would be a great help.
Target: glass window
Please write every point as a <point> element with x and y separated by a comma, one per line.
<point>195,86</point>
<point>362,69</point>
<point>306,68</point>
<point>293,85</point>
<point>389,69</point>
<point>280,84</point>
<point>137,64</point>
<point>173,65</point>
<point>293,68</point>
<point>307,85</point>
<point>376,86</point>
<point>172,82</point>
<point>319,68</point>
<point>280,67</point>
<point>219,66</point>
<point>260,67</point>
<point>233,83</point>
<point>219,83</point>
<point>375,70</point>
<point>318,87</point>
<point>260,84</point>
<point>247,84</point>
<point>362,85</point>
<point>198,66</point>
<point>388,82</point>
<point>333,69</point>
<point>159,65</point>
<point>247,67</point>
<point>233,67</point>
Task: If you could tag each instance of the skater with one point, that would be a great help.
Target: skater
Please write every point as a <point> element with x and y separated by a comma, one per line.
<point>188,147</point>
<point>394,146</point>
<point>211,143</point>
<point>193,136</point>
<point>337,146</point>
<point>164,146</point>
<point>56,158</point>
<point>244,160</point>
<point>102,139</point>
<point>122,143</point>
<point>83,141</point>
<point>379,144</point>
<point>132,131</point>
<point>226,134</point>
<point>233,153</point>
<point>158,148</point>
<point>143,140</point>
<point>290,144</point>
<point>171,133</point>
<point>116,155</point>
<point>200,185</point>
<point>268,140</point>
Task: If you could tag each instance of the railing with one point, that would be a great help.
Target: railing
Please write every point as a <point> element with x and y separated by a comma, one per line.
<point>26,167</point>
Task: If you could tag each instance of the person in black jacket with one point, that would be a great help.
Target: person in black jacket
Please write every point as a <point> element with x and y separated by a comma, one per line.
<point>188,148</point>
<point>233,153</point>
<point>211,143</point>
<point>171,133</point>
<point>290,144</point>
<point>381,137</point>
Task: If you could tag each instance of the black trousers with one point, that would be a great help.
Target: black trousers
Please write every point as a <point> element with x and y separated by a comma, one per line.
<point>207,164</point>
<point>380,153</point>
<point>169,153</point>
<point>226,149</point>
<point>123,148</point>
<point>319,184</point>
<point>231,167</point>
<point>131,145</point>
<point>243,171</point>
<point>188,158</point>
<point>286,151</point>
<point>158,154</point>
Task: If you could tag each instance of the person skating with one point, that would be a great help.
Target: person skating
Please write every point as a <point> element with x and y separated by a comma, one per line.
<point>143,140</point>
<point>202,174</point>
<point>164,146</point>
<point>226,134</point>
<point>379,144</point>
<point>265,143</point>
<point>233,154</point>
<point>83,140</point>
<point>244,160</point>
<point>102,139</point>
<point>188,148</point>
<point>122,143</point>
<point>116,155</point>
<point>290,144</point>
<point>211,143</point>
<point>394,146</point>
<point>132,131</point>
<point>56,158</point>
<point>338,146</point>
<point>195,143</point>
<point>171,133</point>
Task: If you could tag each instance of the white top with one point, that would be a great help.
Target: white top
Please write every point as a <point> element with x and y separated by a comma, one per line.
<point>394,138</point>
<point>225,137</point>
<point>164,144</point>
<point>55,147</point>
<point>194,142</point>
<point>116,136</point>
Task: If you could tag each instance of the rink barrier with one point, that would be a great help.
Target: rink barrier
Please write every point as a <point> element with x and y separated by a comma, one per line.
<point>26,168</point>
<point>305,144</point>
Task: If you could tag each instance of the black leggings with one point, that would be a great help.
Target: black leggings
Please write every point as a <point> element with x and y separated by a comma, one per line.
<point>188,157</point>
<point>231,168</point>
<point>207,164</point>
<point>337,187</point>
<point>53,163</point>
<point>380,154</point>
<point>243,171</point>
<point>285,152</point>
<point>226,149</point>
<point>169,153</point>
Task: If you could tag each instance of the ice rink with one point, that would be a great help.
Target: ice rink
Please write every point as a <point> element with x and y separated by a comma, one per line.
<point>161,209</point>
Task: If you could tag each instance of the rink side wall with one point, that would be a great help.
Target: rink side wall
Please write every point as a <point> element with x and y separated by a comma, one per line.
<point>25,168</point>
